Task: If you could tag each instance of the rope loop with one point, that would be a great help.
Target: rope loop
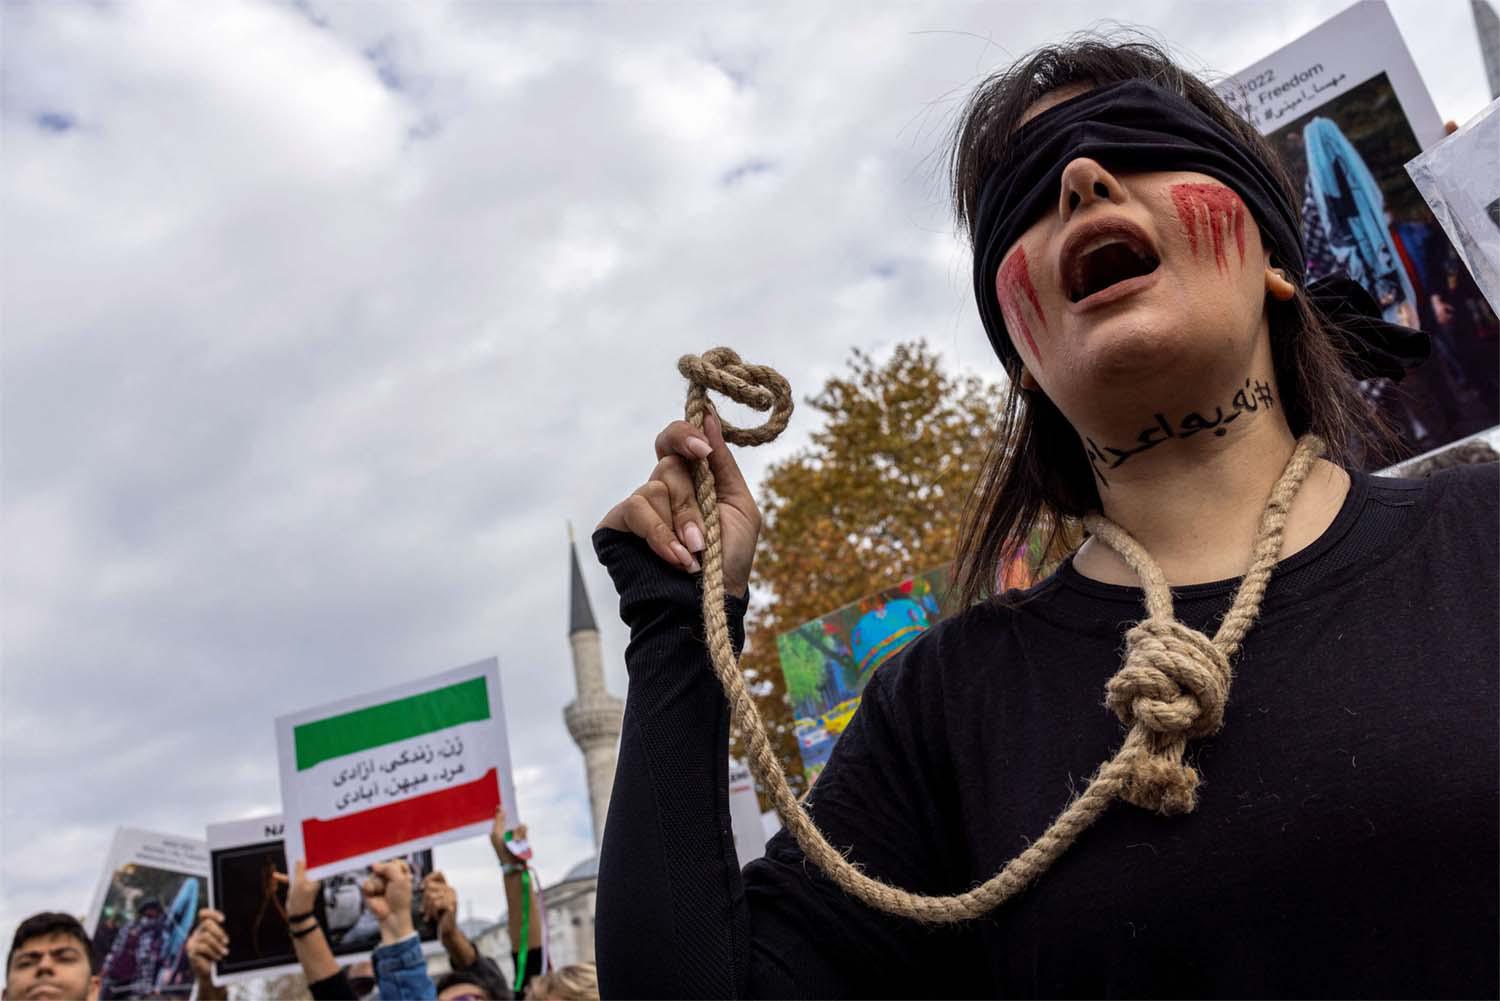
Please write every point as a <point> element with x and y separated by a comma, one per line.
<point>759,387</point>
<point>1172,687</point>
<point>1174,681</point>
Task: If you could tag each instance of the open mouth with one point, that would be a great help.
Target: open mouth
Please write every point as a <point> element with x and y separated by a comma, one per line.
<point>1105,254</point>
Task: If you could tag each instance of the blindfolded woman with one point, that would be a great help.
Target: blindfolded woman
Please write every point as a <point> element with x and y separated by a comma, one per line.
<point>1326,827</point>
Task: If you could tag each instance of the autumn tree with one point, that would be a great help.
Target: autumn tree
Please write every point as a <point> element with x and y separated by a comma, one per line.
<point>874,498</point>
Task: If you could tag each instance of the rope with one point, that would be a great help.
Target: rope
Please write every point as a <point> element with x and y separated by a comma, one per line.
<point>1171,688</point>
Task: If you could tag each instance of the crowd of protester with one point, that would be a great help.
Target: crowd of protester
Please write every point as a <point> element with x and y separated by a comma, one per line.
<point>52,957</point>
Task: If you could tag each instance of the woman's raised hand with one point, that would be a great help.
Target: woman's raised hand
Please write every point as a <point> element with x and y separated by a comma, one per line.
<point>664,509</point>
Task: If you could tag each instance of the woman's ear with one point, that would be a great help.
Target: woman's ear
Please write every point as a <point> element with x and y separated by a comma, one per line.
<point>1278,285</point>
<point>1028,381</point>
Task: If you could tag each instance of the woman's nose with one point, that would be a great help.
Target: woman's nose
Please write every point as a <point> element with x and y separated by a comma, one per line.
<point>1084,182</point>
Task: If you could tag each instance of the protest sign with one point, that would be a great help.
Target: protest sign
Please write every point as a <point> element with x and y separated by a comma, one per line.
<point>1345,109</point>
<point>1460,178</point>
<point>389,772</point>
<point>1328,63</point>
<point>744,814</point>
<point>827,662</point>
<point>243,857</point>
<point>142,912</point>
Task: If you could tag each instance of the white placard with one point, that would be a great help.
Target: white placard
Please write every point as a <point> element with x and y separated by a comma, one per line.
<point>241,856</point>
<point>1345,110</point>
<point>1460,179</point>
<point>744,814</point>
<point>142,949</point>
<point>1340,54</point>
<point>397,770</point>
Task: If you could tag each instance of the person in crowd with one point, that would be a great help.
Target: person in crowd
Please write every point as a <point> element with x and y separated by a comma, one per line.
<point>469,985</point>
<point>469,966</point>
<point>577,982</point>
<point>136,957</point>
<point>361,975</point>
<point>104,934</point>
<point>326,979</point>
<point>400,967</point>
<point>208,944</point>
<point>1179,386</point>
<point>50,958</point>
<point>523,915</point>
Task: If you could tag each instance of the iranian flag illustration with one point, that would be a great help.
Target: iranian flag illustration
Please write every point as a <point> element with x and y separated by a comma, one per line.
<point>397,770</point>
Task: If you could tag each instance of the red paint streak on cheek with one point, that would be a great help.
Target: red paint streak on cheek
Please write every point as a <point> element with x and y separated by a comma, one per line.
<point>1013,281</point>
<point>1224,211</point>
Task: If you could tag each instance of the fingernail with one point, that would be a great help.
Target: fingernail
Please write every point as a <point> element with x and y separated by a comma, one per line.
<point>699,447</point>
<point>685,558</point>
<point>693,537</point>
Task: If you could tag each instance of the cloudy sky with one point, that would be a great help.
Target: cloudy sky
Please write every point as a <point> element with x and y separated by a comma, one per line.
<point>321,320</point>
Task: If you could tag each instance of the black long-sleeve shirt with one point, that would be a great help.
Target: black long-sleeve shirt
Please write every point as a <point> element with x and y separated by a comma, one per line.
<point>1345,841</point>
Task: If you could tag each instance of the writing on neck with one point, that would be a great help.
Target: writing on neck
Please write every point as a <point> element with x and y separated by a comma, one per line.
<point>1249,399</point>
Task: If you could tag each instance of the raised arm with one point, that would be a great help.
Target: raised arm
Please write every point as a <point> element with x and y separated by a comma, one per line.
<point>674,918</point>
<point>325,979</point>
<point>208,944</point>
<point>521,910</point>
<point>400,969</point>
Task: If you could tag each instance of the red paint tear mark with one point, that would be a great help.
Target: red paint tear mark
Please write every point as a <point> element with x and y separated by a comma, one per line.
<point>1013,280</point>
<point>1223,209</point>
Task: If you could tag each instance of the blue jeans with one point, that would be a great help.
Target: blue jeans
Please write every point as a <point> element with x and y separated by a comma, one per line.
<point>401,971</point>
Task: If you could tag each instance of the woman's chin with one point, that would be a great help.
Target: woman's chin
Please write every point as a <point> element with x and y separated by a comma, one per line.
<point>1143,363</point>
<point>1140,346</point>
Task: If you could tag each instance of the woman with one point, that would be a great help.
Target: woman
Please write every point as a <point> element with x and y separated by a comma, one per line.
<point>1138,269</point>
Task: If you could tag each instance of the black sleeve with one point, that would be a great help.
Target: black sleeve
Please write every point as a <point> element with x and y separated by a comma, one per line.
<point>674,918</point>
<point>533,969</point>
<point>334,988</point>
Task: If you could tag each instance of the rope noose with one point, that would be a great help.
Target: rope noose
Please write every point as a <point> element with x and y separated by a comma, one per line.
<point>1171,688</point>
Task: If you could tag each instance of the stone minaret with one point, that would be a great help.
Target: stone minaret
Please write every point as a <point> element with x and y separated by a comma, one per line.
<point>594,717</point>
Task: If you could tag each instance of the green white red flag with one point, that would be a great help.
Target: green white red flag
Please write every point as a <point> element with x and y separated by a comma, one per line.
<point>396,770</point>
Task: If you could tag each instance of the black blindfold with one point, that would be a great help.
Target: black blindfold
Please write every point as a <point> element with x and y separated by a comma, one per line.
<point>1136,126</point>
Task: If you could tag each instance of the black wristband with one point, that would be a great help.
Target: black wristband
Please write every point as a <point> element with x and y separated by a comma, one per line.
<point>292,919</point>
<point>299,932</point>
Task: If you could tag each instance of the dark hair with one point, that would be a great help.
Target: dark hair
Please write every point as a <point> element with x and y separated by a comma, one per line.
<point>492,986</point>
<point>1037,477</point>
<point>50,923</point>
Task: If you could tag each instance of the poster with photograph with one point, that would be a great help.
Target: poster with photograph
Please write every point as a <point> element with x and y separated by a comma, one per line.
<point>395,771</point>
<point>827,662</point>
<point>1460,179</point>
<point>243,858</point>
<point>143,911</point>
<point>1346,110</point>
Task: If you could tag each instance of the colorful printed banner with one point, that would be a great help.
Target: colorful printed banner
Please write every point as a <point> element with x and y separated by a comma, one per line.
<point>827,662</point>
<point>143,910</point>
<point>1346,110</point>
<point>243,857</point>
<point>393,771</point>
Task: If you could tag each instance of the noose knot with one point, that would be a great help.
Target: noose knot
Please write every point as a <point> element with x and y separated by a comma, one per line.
<point>1172,688</point>
<point>756,386</point>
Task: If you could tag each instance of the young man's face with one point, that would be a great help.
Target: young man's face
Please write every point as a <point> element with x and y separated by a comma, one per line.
<point>53,966</point>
